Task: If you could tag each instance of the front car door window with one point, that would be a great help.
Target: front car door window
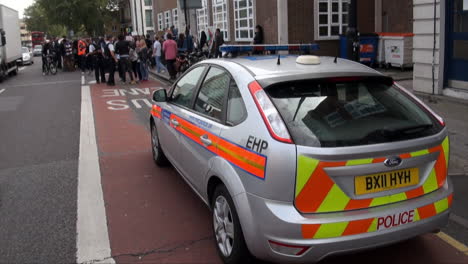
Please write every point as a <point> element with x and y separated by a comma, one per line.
<point>211,98</point>
<point>186,86</point>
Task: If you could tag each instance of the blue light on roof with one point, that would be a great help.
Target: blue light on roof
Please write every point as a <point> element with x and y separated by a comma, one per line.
<point>251,48</point>
<point>268,57</point>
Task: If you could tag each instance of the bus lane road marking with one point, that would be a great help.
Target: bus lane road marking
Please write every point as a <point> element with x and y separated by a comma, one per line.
<point>137,97</point>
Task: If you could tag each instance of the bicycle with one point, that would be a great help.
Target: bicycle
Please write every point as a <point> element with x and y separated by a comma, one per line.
<point>50,65</point>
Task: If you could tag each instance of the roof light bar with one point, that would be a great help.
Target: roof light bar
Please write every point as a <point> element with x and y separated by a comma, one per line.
<point>266,47</point>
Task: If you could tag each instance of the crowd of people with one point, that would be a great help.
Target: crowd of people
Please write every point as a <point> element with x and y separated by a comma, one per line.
<point>132,55</point>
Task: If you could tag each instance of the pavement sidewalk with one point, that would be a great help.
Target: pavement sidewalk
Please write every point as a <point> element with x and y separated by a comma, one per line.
<point>455,113</point>
<point>163,75</point>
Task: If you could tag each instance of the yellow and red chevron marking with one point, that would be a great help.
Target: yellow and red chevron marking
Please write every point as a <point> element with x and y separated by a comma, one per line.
<point>156,111</point>
<point>348,228</point>
<point>316,192</point>
<point>245,159</point>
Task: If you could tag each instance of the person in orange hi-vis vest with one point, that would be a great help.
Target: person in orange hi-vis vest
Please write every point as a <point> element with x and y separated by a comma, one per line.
<point>82,54</point>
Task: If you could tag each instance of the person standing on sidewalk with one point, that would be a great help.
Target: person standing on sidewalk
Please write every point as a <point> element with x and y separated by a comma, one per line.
<point>143,57</point>
<point>218,41</point>
<point>134,59</point>
<point>109,56</point>
<point>157,55</point>
<point>123,49</point>
<point>170,53</point>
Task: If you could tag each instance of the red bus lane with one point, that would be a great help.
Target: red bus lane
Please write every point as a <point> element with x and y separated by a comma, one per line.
<point>154,217</point>
<point>152,214</point>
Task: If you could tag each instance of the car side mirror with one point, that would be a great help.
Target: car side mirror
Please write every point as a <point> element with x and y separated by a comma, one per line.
<point>160,95</point>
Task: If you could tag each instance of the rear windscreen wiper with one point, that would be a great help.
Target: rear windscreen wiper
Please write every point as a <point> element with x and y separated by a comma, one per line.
<point>412,129</point>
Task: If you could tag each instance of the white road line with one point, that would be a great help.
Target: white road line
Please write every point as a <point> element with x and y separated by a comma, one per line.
<point>21,68</point>
<point>92,82</point>
<point>92,237</point>
<point>2,90</point>
<point>82,80</point>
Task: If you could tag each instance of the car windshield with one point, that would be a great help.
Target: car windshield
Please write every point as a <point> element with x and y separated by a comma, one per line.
<point>38,47</point>
<point>351,112</point>
<point>25,50</point>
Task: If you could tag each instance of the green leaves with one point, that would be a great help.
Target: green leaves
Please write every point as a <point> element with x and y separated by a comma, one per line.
<point>89,16</point>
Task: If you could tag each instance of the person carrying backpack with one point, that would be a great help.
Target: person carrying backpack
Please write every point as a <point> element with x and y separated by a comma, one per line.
<point>97,58</point>
<point>122,48</point>
<point>110,59</point>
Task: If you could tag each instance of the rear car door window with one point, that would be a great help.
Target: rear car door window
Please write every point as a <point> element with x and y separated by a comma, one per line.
<point>186,86</point>
<point>211,98</point>
<point>336,113</point>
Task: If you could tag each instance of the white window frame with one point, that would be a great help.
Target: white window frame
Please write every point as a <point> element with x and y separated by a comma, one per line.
<point>167,19</point>
<point>151,4</point>
<point>175,18</point>
<point>237,20</point>
<point>151,18</point>
<point>202,18</point>
<point>160,22</point>
<point>222,24</point>
<point>330,23</point>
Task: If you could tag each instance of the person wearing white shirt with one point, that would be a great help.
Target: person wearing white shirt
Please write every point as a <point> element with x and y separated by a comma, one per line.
<point>157,54</point>
<point>111,60</point>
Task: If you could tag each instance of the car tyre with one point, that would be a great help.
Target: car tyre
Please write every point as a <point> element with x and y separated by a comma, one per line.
<point>229,239</point>
<point>158,155</point>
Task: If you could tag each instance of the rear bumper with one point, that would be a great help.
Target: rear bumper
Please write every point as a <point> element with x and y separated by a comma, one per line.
<point>264,220</point>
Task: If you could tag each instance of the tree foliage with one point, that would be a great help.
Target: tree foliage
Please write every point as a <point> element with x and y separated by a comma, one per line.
<point>36,18</point>
<point>89,16</point>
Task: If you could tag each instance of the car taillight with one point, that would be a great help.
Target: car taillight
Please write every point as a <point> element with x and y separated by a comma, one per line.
<point>421,103</point>
<point>285,249</point>
<point>270,115</point>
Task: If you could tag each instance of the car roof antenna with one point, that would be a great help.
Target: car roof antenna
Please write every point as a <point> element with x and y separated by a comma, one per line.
<point>336,59</point>
<point>279,60</point>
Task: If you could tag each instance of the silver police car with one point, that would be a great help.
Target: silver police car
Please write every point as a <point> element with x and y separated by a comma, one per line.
<point>302,157</point>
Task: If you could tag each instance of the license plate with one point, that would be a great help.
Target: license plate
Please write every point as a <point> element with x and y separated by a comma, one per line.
<point>385,181</point>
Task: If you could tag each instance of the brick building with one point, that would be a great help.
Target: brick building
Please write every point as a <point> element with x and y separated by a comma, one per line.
<point>287,21</point>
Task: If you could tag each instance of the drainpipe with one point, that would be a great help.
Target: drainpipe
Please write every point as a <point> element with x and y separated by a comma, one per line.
<point>282,12</point>
<point>352,33</point>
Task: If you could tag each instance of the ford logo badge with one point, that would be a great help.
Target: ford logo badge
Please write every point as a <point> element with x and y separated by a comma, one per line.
<point>392,161</point>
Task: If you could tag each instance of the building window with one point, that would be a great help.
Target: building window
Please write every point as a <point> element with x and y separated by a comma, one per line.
<point>148,2</point>
<point>244,19</point>
<point>149,18</point>
<point>202,18</point>
<point>331,18</point>
<point>220,17</point>
<point>175,17</point>
<point>167,19</point>
<point>160,22</point>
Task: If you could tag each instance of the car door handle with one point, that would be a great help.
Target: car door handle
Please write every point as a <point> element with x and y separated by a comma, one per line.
<point>174,122</point>
<point>205,140</point>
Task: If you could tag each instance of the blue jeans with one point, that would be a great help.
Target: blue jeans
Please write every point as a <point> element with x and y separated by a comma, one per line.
<point>144,70</point>
<point>159,65</point>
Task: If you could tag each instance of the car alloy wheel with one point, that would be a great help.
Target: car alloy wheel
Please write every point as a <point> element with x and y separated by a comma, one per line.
<point>158,155</point>
<point>223,226</point>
